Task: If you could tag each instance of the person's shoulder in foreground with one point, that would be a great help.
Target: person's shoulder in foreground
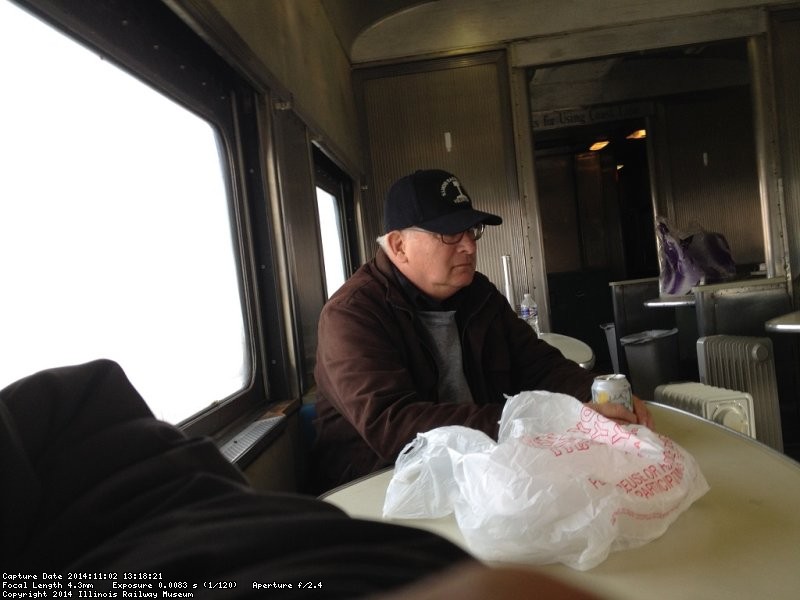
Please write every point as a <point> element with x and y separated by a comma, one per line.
<point>98,485</point>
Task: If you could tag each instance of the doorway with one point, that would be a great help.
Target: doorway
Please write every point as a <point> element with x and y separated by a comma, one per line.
<point>596,205</point>
<point>597,221</point>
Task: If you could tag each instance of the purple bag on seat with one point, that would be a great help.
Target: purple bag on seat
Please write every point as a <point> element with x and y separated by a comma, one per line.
<point>686,260</point>
<point>678,272</point>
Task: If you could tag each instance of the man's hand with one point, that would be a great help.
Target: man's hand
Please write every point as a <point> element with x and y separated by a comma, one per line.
<point>620,414</point>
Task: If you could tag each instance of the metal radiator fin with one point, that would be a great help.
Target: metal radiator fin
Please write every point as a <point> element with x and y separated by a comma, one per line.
<point>746,364</point>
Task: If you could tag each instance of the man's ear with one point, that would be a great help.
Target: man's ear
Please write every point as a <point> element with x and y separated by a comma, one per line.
<point>396,244</point>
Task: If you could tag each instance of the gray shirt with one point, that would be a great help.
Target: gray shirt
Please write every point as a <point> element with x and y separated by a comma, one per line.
<point>441,325</point>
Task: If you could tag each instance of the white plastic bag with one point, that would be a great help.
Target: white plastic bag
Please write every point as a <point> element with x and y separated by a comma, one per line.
<point>422,486</point>
<point>562,484</point>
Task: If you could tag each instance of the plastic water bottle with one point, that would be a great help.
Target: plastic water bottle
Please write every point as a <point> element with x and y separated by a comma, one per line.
<point>529,311</point>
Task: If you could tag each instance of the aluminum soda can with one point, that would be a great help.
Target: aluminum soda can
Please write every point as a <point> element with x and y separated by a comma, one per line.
<point>612,388</point>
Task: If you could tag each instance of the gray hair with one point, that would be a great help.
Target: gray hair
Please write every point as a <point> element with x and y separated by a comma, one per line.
<point>383,243</point>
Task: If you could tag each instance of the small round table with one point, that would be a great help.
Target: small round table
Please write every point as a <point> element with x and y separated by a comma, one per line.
<point>738,542</point>
<point>573,349</point>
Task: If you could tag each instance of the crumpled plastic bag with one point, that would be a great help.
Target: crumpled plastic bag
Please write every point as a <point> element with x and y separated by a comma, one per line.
<point>688,258</point>
<point>429,467</point>
<point>562,484</point>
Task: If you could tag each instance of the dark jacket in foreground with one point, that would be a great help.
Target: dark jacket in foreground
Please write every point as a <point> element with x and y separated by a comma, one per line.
<point>377,378</point>
<point>94,484</point>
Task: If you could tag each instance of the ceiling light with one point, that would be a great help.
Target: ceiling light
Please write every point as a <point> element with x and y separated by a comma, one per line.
<point>639,134</point>
<point>598,145</point>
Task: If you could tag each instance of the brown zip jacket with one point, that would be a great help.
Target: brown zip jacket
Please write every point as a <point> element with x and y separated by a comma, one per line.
<point>377,378</point>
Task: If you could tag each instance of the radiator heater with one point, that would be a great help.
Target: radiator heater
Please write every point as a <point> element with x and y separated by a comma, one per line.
<point>727,407</point>
<point>745,364</point>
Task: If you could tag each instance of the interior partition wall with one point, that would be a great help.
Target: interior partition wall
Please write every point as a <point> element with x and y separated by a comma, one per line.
<point>452,114</point>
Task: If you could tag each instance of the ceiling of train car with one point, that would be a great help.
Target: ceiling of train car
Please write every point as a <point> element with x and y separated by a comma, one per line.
<point>350,17</point>
<point>639,75</point>
<point>373,31</point>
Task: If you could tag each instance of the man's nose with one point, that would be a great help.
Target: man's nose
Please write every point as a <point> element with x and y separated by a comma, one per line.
<point>467,244</point>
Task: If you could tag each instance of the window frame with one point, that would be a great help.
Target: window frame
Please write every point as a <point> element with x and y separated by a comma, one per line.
<point>330,178</point>
<point>147,40</point>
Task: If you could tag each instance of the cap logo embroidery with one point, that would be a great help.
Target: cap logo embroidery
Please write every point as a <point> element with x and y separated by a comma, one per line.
<point>460,196</point>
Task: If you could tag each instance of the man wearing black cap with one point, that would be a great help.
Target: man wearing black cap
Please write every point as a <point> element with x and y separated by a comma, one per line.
<point>417,339</point>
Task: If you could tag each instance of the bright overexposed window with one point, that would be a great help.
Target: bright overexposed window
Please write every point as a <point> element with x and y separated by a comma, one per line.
<point>332,244</point>
<point>115,235</point>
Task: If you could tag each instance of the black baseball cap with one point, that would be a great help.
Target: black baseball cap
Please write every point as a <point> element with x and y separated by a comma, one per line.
<point>434,200</point>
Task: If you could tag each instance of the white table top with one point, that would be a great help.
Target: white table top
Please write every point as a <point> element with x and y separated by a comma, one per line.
<point>670,301</point>
<point>740,540</point>
<point>789,323</point>
<point>572,348</point>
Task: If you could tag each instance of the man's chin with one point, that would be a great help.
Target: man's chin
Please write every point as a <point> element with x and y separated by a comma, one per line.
<point>464,276</point>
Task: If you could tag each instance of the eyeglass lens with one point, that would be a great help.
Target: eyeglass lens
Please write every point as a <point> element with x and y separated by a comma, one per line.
<point>474,233</point>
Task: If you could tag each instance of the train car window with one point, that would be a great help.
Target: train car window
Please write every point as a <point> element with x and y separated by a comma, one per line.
<point>115,230</point>
<point>335,211</point>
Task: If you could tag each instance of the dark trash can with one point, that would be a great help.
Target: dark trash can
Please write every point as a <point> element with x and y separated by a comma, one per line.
<point>653,359</point>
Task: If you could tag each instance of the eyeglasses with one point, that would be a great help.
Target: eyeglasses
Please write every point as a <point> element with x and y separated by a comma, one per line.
<point>475,233</point>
